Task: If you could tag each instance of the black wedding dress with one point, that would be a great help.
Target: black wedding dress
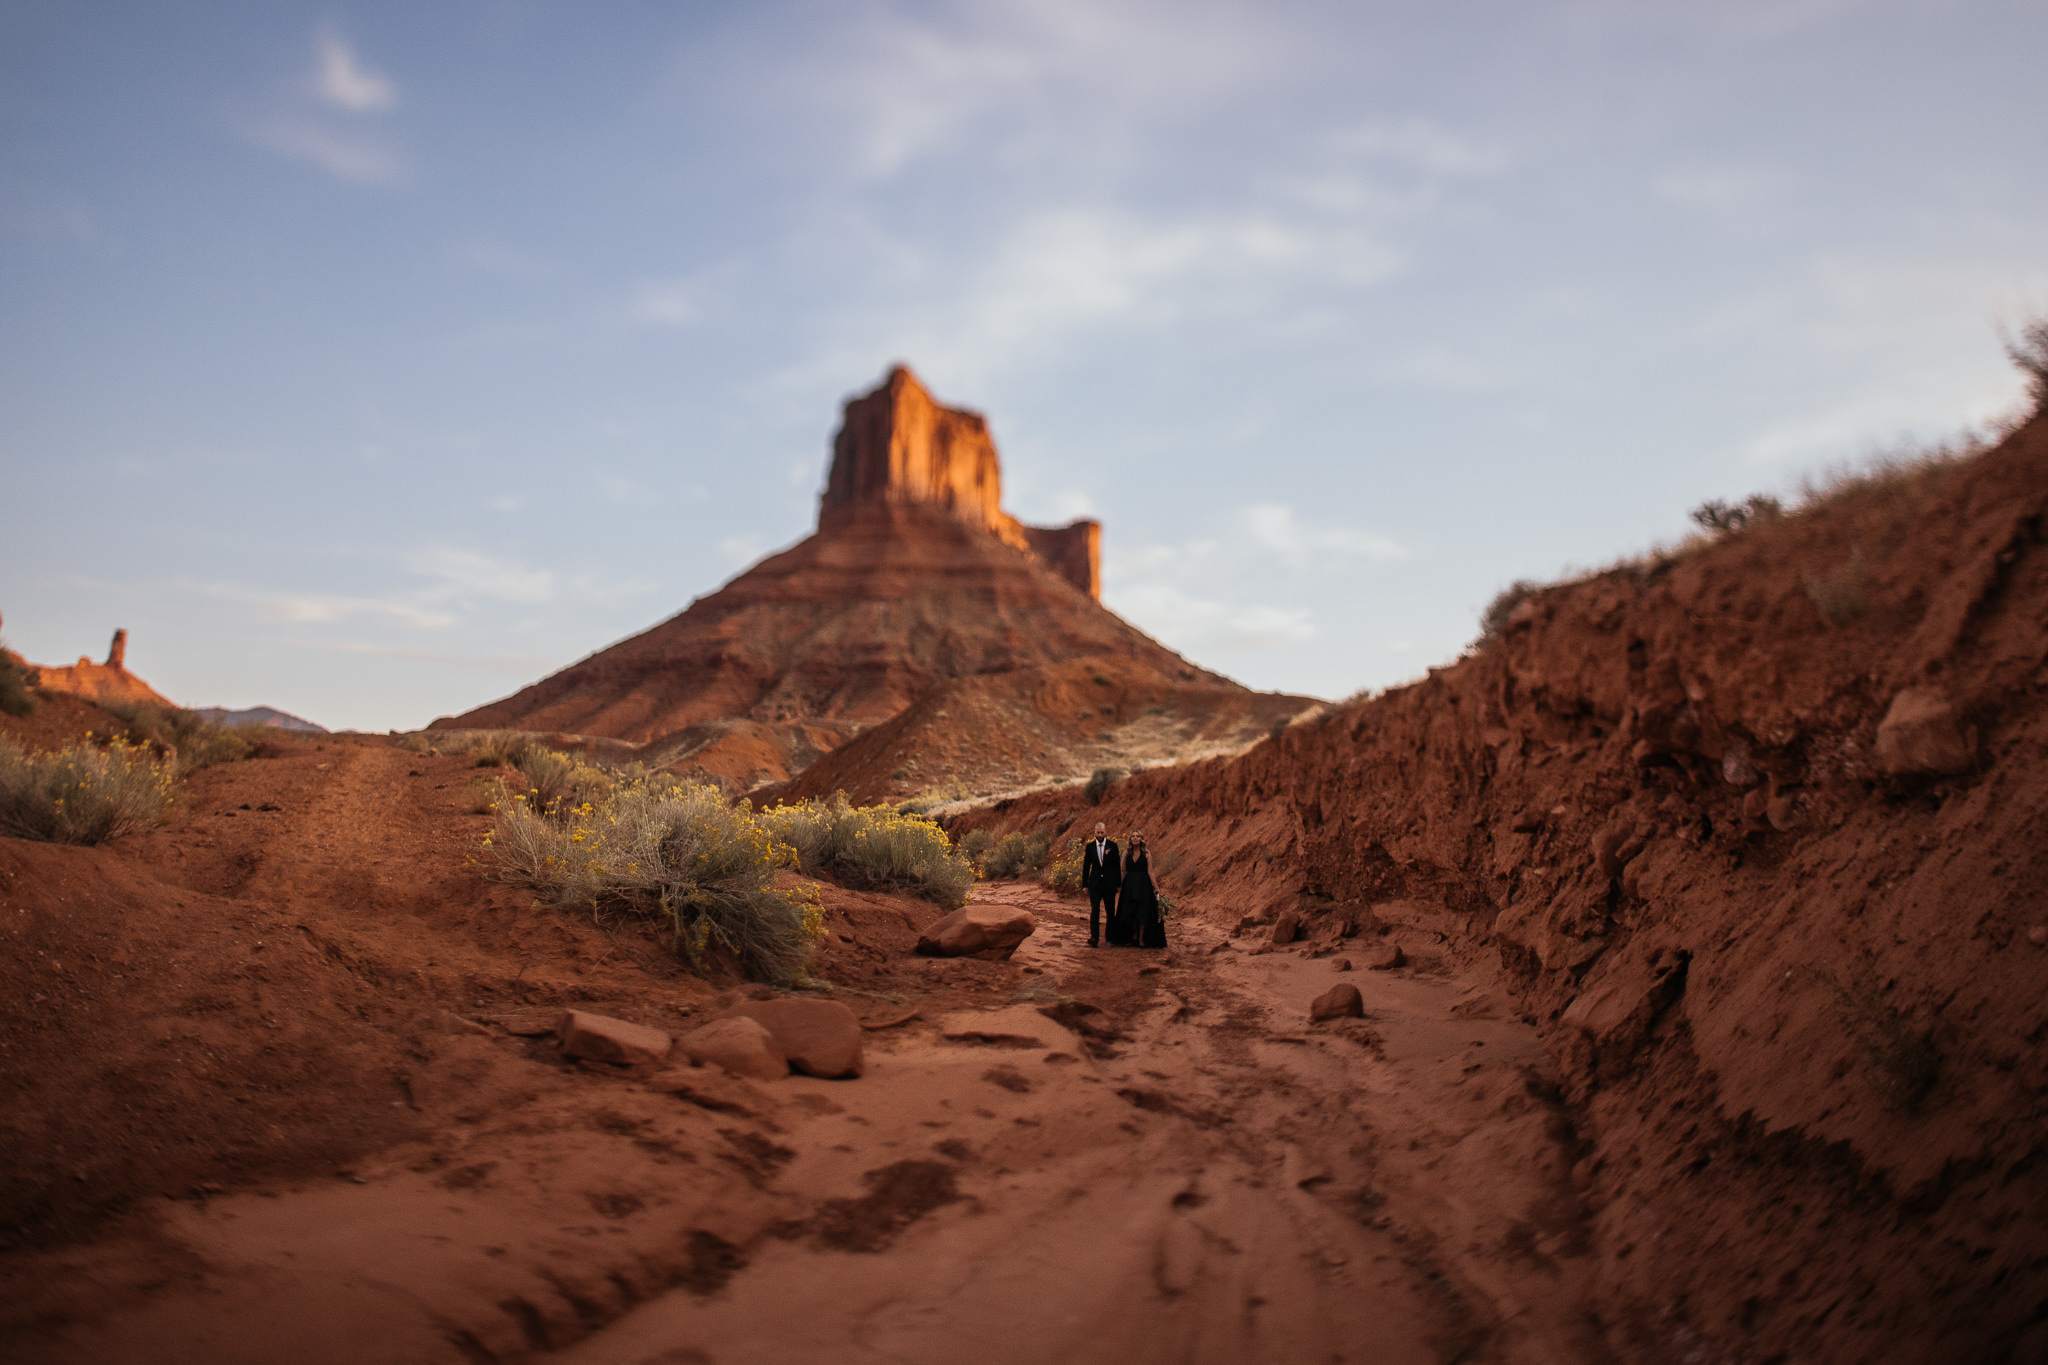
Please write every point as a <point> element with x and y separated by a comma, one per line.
<point>1138,905</point>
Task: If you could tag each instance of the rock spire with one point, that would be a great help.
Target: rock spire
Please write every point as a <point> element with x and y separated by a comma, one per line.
<point>898,445</point>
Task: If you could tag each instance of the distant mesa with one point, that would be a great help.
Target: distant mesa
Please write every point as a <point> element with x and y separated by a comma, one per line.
<point>915,576</point>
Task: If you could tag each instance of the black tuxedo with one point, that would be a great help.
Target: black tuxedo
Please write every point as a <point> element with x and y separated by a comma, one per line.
<point>1103,876</point>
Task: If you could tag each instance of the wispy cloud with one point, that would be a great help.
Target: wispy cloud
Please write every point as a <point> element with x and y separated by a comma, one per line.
<point>341,79</point>
<point>463,576</point>
<point>1421,144</point>
<point>360,161</point>
<point>993,75</point>
<point>1275,529</point>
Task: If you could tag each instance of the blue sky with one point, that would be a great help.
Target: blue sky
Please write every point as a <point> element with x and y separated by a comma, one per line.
<point>373,360</point>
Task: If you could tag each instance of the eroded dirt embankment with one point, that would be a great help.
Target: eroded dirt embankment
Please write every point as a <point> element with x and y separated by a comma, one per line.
<point>1796,987</point>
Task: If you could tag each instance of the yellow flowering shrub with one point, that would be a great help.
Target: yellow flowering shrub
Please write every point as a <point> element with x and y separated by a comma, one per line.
<point>672,849</point>
<point>873,846</point>
<point>83,795</point>
<point>1064,874</point>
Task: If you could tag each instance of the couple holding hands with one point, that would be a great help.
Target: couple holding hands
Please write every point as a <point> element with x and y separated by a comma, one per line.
<point>1121,883</point>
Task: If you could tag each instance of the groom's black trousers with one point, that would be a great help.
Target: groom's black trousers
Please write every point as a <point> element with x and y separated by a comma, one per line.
<point>1099,899</point>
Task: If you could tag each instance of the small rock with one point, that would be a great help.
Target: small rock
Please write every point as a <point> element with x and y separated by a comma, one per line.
<point>602,1038</point>
<point>738,1045</point>
<point>2038,936</point>
<point>820,1037</point>
<point>1385,958</point>
<point>1919,734</point>
<point>1343,964</point>
<point>1339,1002</point>
<point>985,931</point>
<point>1615,846</point>
<point>712,1088</point>
<point>1286,927</point>
<point>1736,769</point>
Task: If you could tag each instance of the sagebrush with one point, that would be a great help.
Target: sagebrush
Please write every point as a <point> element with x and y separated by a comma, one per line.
<point>195,741</point>
<point>1016,854</point>
<point>873,846</point>
<point>85,794</point>
<point>1099,783</point>
<point>676,851</point>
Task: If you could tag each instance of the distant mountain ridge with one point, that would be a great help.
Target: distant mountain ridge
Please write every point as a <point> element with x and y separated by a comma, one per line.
<point>259,715</point>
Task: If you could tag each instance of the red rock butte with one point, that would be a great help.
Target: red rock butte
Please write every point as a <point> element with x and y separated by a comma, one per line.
<point>915,576</point>
<point>898,446</point>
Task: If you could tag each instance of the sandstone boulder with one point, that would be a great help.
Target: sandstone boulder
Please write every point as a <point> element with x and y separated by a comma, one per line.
<point>819,1037</point>
<point>1338,1002</point>
<point>1385,957</point>
<point>1286,927</point>
<point>713,1088</point>
<point>601,1038</point>
<point>987,931</point>
<point>1920,735</point>
<point>740,1046</point>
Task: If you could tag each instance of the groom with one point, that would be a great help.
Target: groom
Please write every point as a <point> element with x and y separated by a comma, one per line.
<point>1102,873</point>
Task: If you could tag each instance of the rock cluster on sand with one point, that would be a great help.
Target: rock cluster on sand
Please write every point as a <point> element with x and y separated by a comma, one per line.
<point>985,931</point>
<point>819,1037</point>
<point>738,1045</point>
<point>600,1038</point>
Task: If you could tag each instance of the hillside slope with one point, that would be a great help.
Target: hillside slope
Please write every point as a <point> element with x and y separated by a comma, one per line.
<point>1754,834</point>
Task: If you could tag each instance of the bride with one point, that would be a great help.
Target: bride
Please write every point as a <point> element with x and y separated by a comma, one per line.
<point>1138,905</point>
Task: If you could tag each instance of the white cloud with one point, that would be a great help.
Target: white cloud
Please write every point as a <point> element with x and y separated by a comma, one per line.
<point>358,160</point>
<point>1274,528</point>
<point>993,74</point>
<point>463,575</point>
<point>1073,271</point>
<point>340,78</point>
